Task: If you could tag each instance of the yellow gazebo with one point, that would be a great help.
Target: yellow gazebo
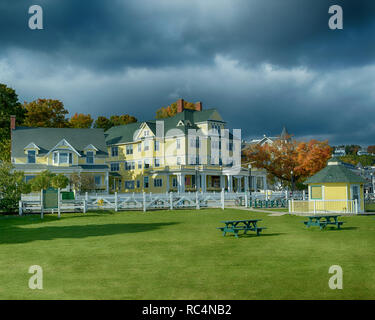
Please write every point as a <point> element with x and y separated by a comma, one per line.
<point>336,189</point>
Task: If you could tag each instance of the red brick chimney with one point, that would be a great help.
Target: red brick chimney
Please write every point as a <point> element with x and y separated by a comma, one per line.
<point>180,105</point>
<point>198,106</point>
<point>12,123</point>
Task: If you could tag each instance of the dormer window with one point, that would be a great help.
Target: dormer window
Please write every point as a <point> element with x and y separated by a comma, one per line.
<point>31,156</point>
<point>62,158</point>
<point>90,157</point>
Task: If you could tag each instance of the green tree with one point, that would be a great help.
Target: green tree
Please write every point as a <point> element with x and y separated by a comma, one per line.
<point>9,105</point>
<point>87,182</point>
<point>352,149</point>
<point>59,181</point>
<point>82,182</point>
<point>42,181</point>
<point>103,123</point>
<point>5,150</point>
<point>12,185</point>
<point>47,113</point>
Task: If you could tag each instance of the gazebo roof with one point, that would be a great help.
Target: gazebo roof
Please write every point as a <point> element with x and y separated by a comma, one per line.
<point>335,172</point>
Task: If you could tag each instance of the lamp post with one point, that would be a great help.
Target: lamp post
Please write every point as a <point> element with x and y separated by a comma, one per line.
<point>291,173</point>
<point>249,169</point>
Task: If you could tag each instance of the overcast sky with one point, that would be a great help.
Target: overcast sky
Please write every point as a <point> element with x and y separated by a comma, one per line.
<point>261,63</point>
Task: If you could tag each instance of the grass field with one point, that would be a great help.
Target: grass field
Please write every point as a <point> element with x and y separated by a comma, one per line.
<point>181,255</point>
<point>370,207</point>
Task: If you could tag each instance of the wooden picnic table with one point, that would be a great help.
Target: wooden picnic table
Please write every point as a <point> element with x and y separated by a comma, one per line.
<point>323,220</point>
<point>234,226</point>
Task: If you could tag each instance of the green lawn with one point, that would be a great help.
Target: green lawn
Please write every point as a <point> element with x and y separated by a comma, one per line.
<point>181,255</point>
<point>370,207</point>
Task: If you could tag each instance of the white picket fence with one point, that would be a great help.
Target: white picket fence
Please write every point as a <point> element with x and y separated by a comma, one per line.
<point>312,207</point>
<point>137,201</point>
<point>149,201</point>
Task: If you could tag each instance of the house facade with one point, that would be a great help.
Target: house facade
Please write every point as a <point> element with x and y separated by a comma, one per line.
<point>191,151</point>
<point>61,150</point>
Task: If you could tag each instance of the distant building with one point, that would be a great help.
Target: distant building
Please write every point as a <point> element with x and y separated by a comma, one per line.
<point>362,152</point>
<point>339,152</point>
<point>270,140</point>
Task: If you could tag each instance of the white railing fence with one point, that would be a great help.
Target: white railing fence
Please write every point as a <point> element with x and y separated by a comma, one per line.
<point>150,201</point>
<point>323,206</point>
<point>137,201</point>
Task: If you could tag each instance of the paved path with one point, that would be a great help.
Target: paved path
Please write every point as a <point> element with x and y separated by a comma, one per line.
<point>271,213</point>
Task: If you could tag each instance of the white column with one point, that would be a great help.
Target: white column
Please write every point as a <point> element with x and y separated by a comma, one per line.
<point>204,183</point>
<point>246,178</point>
<point>178,175</point>
<point>167,182</point>
<point>107,182</point>
<point>239,185</point>
<point>222,182</point>
<point>181,182</point>
<point>230,183</point>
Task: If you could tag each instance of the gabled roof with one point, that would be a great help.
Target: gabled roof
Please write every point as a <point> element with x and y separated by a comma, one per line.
<point>90,147</point>
<point>126,133</point>
<point>284,133</point>
<point>48,138</point>
<point>32,145</point>
<point>64,143</point>
<point>335,172</point>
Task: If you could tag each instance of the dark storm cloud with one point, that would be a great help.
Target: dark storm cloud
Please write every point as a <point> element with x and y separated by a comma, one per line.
<point>262,63</point>
<point>117,34</point>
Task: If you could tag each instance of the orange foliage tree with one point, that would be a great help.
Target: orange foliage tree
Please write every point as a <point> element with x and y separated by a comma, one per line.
<point>170,111</point>
<point>288,159</point>
<point>81,121</point>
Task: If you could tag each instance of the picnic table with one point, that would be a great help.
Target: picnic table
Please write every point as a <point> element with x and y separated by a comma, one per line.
<point>234,226</point>
<point>323,220</point>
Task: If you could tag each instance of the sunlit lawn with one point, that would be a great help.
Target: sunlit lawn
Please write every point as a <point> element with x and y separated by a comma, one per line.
<point>370,207</point>
<point>181,255</point>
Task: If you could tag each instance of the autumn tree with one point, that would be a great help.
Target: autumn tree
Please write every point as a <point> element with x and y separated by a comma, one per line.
<point>123,119</point>
<point>371,149</point>
<point>81,121</point>
<point>288,159</point>
<point>170,111</point>
<point>46,113</point>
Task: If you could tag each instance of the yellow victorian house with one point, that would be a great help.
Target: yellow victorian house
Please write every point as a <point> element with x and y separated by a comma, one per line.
<point>190,151</point>
<point>336,189</point>
<point>60,150</point>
